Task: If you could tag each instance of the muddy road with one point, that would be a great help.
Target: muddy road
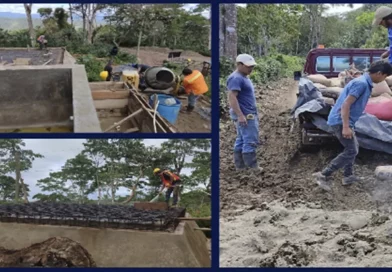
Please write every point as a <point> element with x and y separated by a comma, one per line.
<point>287,179</point>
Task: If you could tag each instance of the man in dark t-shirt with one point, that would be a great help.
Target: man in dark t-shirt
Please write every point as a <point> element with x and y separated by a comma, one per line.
<point>108,68</point>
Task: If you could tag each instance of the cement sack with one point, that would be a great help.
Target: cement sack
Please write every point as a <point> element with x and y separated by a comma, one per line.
<point>159,78</point>
<point>384,172</point>
<point>332,92</point>
<point>389,81</point>
<point>382,110</point>
<point>379,99</point>
<point>155,91</point>
<point>320,79</point>
<point>380,88</point>
<point>336,82</point>
<point>319,86</point>
<point>329,101</point>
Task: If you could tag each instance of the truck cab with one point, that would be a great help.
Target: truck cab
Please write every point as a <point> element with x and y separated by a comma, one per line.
<point>331,61</point>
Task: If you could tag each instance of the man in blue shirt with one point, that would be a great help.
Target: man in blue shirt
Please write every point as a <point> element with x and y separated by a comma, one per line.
<point>342,118</point>
<point>383,16</point>
<point>243,112</point>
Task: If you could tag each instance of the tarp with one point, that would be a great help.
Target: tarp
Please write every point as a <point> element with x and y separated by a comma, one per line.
<point>371,132</point>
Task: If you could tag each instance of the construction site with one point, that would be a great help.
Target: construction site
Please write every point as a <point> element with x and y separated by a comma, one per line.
<point>285,219</point>
<point>74,235</point>
<point>60,98</point>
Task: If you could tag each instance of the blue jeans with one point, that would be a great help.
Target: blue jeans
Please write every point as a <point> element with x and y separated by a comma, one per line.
<point>247,136</point>
<point>192,99</point>
<point>345,159</point>
<point>170,190</point>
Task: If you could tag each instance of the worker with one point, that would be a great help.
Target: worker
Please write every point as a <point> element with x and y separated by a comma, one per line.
<point>141,68</point>
<point>383,17</point>
<point>243,112</point>
<point>109,69</point>
<point>42,42</point>
<point>342,118</point>
<point>170,181</point>
<point>194,85</point>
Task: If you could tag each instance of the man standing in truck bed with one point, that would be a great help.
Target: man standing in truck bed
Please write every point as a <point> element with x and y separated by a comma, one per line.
<point>383,17</point>
<point>342,118</point>
<point>243,112</point>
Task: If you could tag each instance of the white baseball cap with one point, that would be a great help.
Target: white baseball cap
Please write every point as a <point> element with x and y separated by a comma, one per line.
<point>246,59</point>
<point>381,13</point>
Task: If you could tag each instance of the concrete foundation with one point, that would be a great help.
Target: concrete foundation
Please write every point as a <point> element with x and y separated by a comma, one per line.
<point>186,247</point>
<point>12,56</point>
<point>46,96</point>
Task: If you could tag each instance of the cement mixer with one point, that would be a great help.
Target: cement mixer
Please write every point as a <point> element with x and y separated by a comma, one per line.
<point>160,80</point>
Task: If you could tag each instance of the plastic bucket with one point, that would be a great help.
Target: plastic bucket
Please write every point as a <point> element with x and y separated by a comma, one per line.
<point>169,112</point>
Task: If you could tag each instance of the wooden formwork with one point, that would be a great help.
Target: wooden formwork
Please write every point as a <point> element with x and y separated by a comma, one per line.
<point>120,98</point>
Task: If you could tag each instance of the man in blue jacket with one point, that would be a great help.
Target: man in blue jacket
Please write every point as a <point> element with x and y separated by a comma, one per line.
<point>383,17</point>
<point>342,118</point>
<point>243,112</point>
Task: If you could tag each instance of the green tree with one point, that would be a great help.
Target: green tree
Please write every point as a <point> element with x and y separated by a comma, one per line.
<point>16,159</point>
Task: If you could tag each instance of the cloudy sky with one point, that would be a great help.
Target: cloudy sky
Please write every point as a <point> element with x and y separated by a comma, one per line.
<point>56,152</point>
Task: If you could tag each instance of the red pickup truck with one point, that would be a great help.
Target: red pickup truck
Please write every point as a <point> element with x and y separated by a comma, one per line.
<point>331,61</point>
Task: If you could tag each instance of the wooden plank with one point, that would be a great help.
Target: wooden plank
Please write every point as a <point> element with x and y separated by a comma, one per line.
<point>106,94</point>
<point>22,61</point>
<point>131,130</point>
<point>110,104</point>
<point>151,206</point>
<point>107,85</point>
<point>123,120</point>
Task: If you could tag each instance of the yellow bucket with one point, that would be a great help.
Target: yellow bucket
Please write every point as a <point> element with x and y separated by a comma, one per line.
<point>131,77</point>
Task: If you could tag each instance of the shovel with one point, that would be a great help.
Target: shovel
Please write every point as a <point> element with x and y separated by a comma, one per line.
<point>155,199</point>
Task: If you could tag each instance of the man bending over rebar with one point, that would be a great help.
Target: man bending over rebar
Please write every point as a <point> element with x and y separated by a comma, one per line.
<point>170,181</point>
<point>342,118</point>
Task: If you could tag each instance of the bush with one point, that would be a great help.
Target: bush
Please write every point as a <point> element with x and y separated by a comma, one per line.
<point>123,57</point>
<point>93,67</point>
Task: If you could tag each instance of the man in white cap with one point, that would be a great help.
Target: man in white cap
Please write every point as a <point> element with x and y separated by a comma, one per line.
<point>243,112</point>
<point>383,16</point>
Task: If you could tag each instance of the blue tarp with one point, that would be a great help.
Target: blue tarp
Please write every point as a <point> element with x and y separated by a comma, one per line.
<point>371,132</point>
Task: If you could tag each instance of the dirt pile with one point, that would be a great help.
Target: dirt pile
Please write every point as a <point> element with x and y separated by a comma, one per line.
<point>296,234</point>
<point>54,252</point>
<point>155,56</point>
<point>287,178</point>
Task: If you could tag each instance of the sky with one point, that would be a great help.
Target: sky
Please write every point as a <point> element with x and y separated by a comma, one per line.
<point>19,8</point>
<point>56,152</point>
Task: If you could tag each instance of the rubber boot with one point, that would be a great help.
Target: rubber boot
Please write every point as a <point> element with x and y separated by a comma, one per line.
<point>188,109</point>
<point>250,160</point>
<point>238,160</point>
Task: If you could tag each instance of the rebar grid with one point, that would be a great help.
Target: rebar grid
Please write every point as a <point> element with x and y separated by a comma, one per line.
<point>90,215</point>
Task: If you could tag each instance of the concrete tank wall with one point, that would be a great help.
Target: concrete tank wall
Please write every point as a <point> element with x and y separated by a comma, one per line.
<point>47,95</point>
<point>185,247</point>
<point>39,96</point>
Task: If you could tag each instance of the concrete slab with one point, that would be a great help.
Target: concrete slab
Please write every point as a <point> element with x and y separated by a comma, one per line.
<point>38,57</point>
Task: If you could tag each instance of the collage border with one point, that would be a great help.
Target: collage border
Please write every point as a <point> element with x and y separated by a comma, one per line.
<point>214,135</point>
